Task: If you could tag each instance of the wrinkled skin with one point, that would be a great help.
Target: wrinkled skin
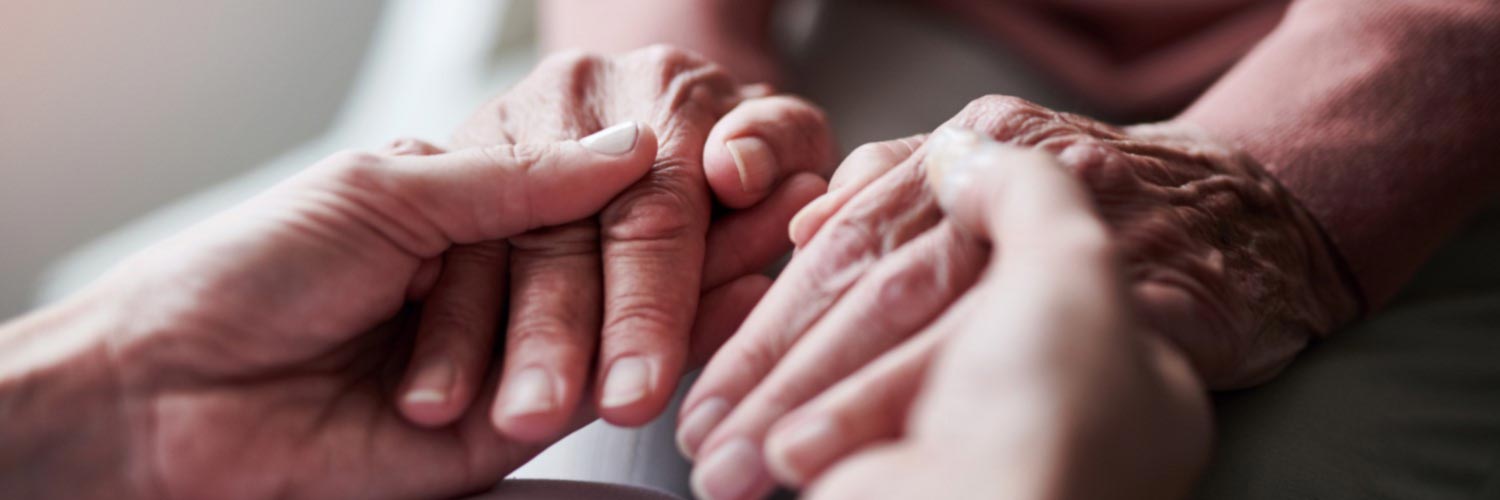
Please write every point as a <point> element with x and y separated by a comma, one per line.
<point>1065,381</point>
<point>1217,256</point>
<point>624,286</point>
<point>254,354</point>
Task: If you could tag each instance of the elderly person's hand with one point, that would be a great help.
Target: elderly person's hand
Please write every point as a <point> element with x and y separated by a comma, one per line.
<point>1041,384</point>
<point>1218,257</point>
<point>253,356</point>
<point>609,302</point>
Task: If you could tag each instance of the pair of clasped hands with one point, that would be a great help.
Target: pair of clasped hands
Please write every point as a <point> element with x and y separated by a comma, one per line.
<point>962,318</point>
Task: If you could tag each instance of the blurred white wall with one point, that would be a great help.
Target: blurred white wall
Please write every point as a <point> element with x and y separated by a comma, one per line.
<point>109,109</point>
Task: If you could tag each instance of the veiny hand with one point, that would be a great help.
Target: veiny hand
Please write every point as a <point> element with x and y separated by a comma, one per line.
<point>1217,257</point>
<point>1041,383</point>
<point>258,350</point>
<point>632,315</point>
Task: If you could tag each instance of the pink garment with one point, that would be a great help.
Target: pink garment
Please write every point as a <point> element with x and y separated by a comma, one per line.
<point>1129,57</point>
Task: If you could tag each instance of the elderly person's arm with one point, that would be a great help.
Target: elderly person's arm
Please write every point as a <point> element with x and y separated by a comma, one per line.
<point>1380,117</point>
<point>1376,116</point>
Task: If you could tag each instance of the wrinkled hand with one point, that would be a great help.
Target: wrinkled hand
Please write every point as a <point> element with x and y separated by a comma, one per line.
<point>1217,257</point>
<point>1041,383</point>
<point>628,321</point>
<point>259,348</point>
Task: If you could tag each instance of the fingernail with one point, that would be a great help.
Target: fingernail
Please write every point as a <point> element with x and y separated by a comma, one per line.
<point>627,383</point>
<point>803,444</point>
<point>699,423</point>
<point>614,141</point>
<point>432,384</point>
<point>729,473</point>
<point>952,155</point>
<point>530,392</point>
<point>755,161</point>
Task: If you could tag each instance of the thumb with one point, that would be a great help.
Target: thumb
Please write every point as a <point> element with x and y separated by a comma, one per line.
<point>428,203</point>
<point>1022,200</point>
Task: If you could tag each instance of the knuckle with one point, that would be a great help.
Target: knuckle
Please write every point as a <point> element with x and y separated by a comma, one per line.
<point>654,212</point>
<point>1010,119</point>
<point>578,238</point>
<point>639,316</point>
<point>359,172</point>
<point>351,159</point>
<point>666,55</point>
<point>571,60</point>
<point>483,255</point>
<point>520,157</point>
<point>543,331</point>
<point>883,151</point>
<point>1097,165</point>
<point>455,319</point>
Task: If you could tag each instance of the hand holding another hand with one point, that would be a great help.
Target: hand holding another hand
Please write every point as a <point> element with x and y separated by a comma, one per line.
<point>609,303</point>
<point>254,355</point>
<point>1038,384</point>
<point>1217,258</point>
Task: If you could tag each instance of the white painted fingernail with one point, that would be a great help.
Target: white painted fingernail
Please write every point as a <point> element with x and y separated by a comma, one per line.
<point>529,392</point>
<point>803,444</point>
<point>628,381</point>
<point>954,154</point>
<point>728,473</point>
<point>699,423</point>
<point>432,384</point>
<point>755,162</point>
<point>948,154</point>
<point>614,141</point>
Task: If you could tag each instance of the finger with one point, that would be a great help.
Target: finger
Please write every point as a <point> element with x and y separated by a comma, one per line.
<point>1043,227</point>
<point>1022,199</point>
<point>458,326</point>
<point>863,166</point>
<point>653,238</point>
<point>869,406</point>
<point>763,141</point>
<point>893,301</point>
<point>425,204</point>
<point>747,241</point>
<point>892,211</point>
<point>721,311</point>
<point>549,343</point>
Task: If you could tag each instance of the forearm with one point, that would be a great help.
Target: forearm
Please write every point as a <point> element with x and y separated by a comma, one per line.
<point>1380,117</point>
<point>732,33</point>
<point>63,434</point>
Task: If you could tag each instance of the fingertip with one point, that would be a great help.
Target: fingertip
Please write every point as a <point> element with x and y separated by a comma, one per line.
<point>762,142</point>
<point>428,407</point>
<point>807,221</point>
<point>633,391</point>
<point>528,407</point>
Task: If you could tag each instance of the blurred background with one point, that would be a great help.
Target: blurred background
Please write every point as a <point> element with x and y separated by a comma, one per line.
<point>111,109</point>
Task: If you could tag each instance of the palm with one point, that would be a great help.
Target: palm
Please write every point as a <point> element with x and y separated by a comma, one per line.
<point>281,385</point>
<point>324,428</point>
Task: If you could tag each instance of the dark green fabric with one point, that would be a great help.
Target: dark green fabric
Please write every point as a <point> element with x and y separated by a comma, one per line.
<point>1404,405</point>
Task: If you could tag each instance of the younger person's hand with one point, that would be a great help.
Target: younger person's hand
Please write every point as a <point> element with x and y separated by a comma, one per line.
<point>254,355</point>
<point>1043,385</point>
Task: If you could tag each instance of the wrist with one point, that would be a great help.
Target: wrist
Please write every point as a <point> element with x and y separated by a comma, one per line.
<point>1333,295</point>
<point>67,431</point>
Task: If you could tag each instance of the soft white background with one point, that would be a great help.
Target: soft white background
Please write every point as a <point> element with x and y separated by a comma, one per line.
<point>111,108</point>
